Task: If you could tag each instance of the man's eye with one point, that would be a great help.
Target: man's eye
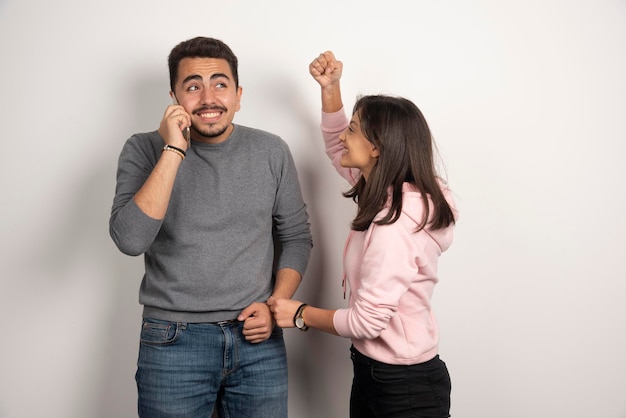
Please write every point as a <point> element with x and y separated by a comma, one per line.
<point>220,85</point>
<point>192,88</point>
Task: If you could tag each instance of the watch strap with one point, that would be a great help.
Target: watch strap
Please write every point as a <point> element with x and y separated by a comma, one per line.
<point>298,315</point>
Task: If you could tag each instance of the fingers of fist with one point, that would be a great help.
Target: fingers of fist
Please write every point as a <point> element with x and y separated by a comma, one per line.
<point>325,63</point>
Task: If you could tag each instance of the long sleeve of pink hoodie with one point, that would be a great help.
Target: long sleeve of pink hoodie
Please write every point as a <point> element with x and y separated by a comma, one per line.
<point>391,271</point>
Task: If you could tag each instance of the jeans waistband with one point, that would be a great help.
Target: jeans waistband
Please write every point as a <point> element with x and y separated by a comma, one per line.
<point>226,322</point>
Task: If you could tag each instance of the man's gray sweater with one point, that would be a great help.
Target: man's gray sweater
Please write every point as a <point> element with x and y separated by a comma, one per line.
<point>212,254</point>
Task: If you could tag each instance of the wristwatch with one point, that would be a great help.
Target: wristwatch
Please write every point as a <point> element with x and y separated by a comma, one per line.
<point>298,319</point>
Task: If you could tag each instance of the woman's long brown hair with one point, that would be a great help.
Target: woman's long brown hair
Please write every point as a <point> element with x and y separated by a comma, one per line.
<point>399,130</point>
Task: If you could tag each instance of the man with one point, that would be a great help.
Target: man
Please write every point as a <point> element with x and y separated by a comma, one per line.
<point>204,212</point>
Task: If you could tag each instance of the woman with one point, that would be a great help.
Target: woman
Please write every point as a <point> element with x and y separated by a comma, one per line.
<point>404,222</point>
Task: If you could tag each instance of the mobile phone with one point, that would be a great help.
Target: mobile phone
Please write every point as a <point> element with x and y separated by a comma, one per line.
<point>186,131</point>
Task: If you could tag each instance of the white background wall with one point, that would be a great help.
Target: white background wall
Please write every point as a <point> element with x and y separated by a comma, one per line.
<point>526,100</point>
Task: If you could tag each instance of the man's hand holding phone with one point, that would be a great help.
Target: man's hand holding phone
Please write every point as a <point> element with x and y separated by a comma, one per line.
<point>174,127</point>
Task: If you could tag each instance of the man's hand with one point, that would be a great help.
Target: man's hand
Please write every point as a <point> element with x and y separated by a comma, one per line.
<point>325,69</point>
<point>257,322</point>
<point>175,120</point>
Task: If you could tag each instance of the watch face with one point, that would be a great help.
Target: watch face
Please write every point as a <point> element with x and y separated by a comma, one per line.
<point>300,322</point>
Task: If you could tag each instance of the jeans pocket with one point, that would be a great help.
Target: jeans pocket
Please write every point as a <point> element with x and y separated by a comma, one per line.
<point>439,379</point>
<point>440,384</point>
<point>158,333</point>
<point>387,374</point>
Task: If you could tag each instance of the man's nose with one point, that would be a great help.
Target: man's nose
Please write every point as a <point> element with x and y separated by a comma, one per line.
<point>208,96</point>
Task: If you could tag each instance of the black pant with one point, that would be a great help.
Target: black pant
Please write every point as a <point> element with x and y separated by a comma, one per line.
<point>381,390</point>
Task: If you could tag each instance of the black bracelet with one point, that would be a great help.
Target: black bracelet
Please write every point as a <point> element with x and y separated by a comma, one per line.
<point>176,150</point>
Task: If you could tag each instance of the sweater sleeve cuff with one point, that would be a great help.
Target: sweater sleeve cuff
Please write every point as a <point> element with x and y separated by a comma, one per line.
<point>340,322</point>
<point>296,258</point>
<point>335,121</point>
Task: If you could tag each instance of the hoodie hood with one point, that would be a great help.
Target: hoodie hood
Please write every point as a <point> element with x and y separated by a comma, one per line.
<point>413,208</point>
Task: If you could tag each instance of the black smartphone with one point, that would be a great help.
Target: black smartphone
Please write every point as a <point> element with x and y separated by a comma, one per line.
<point>186,131</point>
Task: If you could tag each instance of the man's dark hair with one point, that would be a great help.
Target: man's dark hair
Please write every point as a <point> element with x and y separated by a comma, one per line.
<point>201,47</point>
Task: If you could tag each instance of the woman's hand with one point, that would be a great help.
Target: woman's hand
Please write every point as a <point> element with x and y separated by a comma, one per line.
<point>283,310</point>
<point>325,69</point>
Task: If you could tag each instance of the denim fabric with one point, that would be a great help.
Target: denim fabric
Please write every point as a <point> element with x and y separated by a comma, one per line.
<point>382,390</point>
<point>186,369</point>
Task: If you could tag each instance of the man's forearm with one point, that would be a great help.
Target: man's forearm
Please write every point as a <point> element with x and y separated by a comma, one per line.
<point>154,196</point>
<point>287,282</point>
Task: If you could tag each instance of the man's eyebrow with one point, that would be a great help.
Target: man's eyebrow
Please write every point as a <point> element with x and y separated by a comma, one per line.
<point>199,77</point>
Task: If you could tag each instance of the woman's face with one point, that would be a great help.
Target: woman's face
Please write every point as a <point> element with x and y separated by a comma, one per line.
<point>358,152</point>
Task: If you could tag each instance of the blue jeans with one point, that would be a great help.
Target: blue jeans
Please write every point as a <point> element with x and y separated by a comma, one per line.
<point>382,390</point>
<point>186,369</point>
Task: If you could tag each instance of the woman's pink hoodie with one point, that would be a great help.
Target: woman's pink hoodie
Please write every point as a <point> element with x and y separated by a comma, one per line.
<point>391,271</point>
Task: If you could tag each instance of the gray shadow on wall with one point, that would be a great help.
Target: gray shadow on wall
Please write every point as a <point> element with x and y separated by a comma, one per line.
<point>313,357</point>
<point>80,238</point>
<point>117,394</point>
<point>114,392</point>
